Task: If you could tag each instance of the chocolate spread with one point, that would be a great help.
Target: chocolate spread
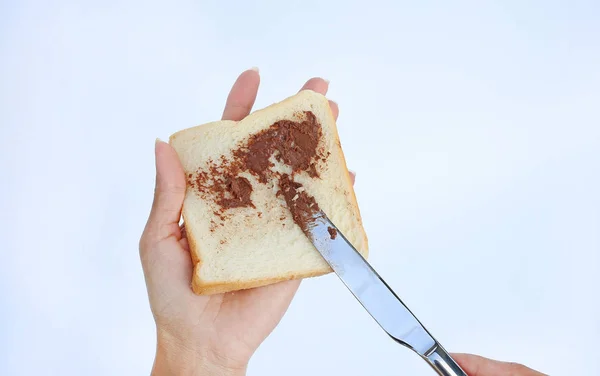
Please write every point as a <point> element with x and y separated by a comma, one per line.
<point>332,232</point>
<point>301,204</point>
<point>236,194</point>
<point>293,143</point>
<point>289,142</point>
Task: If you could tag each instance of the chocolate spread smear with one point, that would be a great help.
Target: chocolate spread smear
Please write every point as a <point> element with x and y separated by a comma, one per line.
<point>236,193</point>
<point>332,232</point>
<point>289,142</point>
<point>293,143</point>
<point>301,204</point>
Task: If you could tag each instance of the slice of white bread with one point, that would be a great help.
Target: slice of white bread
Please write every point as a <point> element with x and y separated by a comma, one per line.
<point>259,243</point>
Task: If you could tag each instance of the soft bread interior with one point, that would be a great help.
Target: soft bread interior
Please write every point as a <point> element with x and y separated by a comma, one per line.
<point>260,245</point>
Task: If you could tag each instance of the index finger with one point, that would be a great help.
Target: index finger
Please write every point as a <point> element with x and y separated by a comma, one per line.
<point>320,85</point>
<point>242,95</point>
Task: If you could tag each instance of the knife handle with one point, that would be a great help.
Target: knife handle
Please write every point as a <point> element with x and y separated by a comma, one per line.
<point>442,362</point>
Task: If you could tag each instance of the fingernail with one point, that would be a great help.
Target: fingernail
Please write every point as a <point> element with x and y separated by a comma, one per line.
<point>326,80</point>
<point>352,172</point>
<point>255,69</point>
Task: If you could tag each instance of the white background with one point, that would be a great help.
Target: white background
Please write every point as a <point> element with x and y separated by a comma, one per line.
<point>474,129</point>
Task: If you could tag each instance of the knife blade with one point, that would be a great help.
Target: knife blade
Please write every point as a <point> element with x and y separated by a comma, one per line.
<point>378,299</point>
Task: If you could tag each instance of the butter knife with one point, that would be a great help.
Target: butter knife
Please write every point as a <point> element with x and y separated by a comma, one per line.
<point>376,296</point>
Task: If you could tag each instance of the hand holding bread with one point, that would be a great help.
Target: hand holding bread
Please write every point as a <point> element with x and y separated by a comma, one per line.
<point>216,333</point>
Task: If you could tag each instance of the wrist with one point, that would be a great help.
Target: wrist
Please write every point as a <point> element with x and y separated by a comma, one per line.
<point>175,358</point>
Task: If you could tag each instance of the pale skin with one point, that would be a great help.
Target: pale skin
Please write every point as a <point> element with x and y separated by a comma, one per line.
<point>217,334</point>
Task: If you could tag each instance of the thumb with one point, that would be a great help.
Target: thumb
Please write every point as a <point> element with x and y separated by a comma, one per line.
<point>476,365</point>
<point>169,193</point>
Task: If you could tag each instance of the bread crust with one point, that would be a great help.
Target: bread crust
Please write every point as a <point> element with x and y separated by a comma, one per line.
<point>201,287</point>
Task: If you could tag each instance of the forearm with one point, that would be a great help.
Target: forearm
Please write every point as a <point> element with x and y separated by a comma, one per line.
<point>172,359</point>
